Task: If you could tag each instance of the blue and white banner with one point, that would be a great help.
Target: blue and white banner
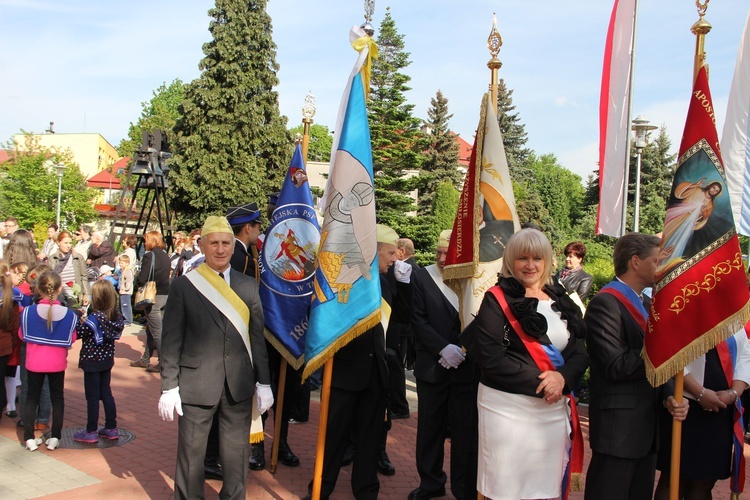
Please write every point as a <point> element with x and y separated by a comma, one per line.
<point>347,286</point>
<point>287,264</point>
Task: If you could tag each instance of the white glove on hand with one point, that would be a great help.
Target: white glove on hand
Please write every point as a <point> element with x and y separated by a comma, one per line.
<point>402,271</point>
<point>169,402</point>
<point>265,397</point>
<point>451,356</point>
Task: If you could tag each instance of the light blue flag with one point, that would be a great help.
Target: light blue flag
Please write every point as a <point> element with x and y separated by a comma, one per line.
<point>346,300</point>
<point>287,264</point>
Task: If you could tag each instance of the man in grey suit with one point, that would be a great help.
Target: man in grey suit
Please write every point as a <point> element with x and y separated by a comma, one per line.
<point>214,360</point>
<point>623,411</point>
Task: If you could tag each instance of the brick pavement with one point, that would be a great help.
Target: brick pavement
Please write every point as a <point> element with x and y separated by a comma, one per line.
<point>144,468</point>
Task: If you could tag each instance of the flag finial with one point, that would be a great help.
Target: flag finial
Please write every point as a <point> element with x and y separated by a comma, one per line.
<point>494,42</point>
<point>369,11</point>
<point>700,29</point>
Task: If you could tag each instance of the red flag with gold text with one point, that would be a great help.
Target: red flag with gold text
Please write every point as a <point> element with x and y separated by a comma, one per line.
<point>700,296</point>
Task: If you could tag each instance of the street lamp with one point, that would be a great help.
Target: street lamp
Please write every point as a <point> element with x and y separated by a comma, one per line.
<point>60,167</point>
<point>640,127</point>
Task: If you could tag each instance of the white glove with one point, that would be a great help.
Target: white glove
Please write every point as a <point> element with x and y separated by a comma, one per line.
<point>451,356</point>
<point>169,402</point>
<point>265,397</point>
<point>402,271</point>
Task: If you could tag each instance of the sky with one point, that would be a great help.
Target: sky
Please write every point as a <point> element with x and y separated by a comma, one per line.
<point>88,66</point>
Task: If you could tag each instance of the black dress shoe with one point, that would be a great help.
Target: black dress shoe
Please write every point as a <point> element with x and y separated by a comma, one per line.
<point>286,455</point>
<point>348,455</point>
<point>257,457</point>
<point>422,494</point>
<point>385,466</point>
<point>213,472</point>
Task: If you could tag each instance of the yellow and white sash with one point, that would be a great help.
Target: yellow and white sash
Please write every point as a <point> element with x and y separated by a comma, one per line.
<point>226,300</point>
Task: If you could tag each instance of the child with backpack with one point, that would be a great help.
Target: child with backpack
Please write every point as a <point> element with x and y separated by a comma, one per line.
<point>98,333</point>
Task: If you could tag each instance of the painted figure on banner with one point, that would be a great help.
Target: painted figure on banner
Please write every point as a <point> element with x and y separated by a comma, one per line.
<point>696,199</point>
<point>343,257</point>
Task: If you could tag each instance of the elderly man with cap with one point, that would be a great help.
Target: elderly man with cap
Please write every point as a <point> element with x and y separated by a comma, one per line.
<point>444,381</point>
<point>358,394</point>
<point>214,360</point>
<point>245,222</point>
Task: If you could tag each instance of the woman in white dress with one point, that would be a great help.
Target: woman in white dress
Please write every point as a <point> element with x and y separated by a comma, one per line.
<point>528,341</point>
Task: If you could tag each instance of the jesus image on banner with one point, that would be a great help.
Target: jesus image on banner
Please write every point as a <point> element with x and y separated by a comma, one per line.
<point>691,212</point>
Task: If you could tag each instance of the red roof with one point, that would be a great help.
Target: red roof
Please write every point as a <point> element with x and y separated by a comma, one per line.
<point>104,180</point>
<point>4,155</point>
<point>464,150</point>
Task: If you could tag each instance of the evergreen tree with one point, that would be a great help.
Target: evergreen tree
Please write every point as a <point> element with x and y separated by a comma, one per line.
<point>441,157</point>
<point>231,144</point>
<point>397,142</point>
<point>161,112</point>
<point>514,133</point>
<point>28,187</point>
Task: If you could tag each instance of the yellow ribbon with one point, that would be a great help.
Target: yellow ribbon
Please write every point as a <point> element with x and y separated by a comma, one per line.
<point>359,45</point>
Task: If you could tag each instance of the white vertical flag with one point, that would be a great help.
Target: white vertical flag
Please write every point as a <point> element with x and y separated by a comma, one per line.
<point>614,117</point>
<point>735,147</point>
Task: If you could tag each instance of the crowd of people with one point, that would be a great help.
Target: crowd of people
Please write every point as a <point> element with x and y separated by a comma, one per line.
<point>502,390</point>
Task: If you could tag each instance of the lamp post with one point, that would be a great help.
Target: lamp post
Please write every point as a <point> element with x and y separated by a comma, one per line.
<point>640,127</point>
<point>60,167</point>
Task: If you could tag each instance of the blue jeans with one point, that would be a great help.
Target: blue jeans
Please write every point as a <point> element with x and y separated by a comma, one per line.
<point>97,388</point>
<point>45,402</point>
<point>126,308</point>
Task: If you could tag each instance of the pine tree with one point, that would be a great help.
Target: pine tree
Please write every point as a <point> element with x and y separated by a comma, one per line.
<point>397,142</point>
<point>514,133</point>
<point>441,157</point>
<point>231,144</point>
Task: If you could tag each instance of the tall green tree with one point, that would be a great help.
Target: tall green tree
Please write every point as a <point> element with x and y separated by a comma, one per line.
<point>161,112</point>
<point>28,187</point>
<point>397,142</point>
<point>321,141</point>
<point>441,156</point>
<point>231,143</point>
<point>514,133</point>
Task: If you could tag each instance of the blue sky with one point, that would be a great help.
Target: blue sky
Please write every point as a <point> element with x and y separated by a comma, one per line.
<point>87,66</point>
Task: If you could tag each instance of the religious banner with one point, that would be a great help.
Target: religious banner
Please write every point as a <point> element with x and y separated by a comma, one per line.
<point>287,264</point>
<point>346,300</point>
<point>487,209</point>
<point>701,296</point>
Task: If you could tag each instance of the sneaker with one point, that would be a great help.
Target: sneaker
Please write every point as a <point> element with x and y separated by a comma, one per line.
<point>112,434</point>
<point>52,443</point>
<point>33,444</point>
<point>86,437</point>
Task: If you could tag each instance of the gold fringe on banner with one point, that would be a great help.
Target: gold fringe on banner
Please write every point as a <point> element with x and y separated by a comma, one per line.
<point>276,343</point>
<point>314,363</point>
<point>697,348</point>
<point>576,481</point>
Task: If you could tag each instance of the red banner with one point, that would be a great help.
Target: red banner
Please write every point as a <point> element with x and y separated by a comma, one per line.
<point>701,295</point>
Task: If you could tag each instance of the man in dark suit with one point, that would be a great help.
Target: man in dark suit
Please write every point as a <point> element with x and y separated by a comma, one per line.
<point>623,410</point>
<point>444,381</point>
<point>358,395</point>
<point>245,222</point>
<point>214,360</point>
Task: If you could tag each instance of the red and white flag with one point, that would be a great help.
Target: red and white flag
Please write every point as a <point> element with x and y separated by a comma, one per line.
<point>614,118</point>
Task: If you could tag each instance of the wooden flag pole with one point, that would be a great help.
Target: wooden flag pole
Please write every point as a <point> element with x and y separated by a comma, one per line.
<point>325,397</point>
<point>699,29</point>
<point>277,413</point>
<point>674,474</point>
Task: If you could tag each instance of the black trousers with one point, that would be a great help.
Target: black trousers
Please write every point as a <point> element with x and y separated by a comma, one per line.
<point>57,395</point>
<point>397,401</point>
<point>359,414</point>
<point>441,404</point>
<point>617,478</point>
<point>97,388</point>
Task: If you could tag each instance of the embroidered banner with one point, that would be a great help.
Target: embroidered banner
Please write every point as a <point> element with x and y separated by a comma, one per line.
<point>700,296</point>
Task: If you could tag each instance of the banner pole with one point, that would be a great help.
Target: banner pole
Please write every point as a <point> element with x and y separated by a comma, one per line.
<point>277,413</point>
<point>325,398</point>
<point>674,474</point>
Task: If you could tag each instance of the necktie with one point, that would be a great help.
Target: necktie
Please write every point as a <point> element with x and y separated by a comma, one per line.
<point>221,275</point>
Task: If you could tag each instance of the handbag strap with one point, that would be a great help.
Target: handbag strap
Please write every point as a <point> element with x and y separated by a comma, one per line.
<point>151,272</point>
